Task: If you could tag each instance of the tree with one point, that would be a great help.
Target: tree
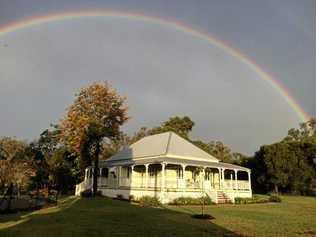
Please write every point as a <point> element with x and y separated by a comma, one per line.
<point>96,115</point>
<point>15,167</point>
<point>306,131</point>
<point>271,162</point>
<point>180,125</point>
<point>217,149</point>
<point>61,168</point>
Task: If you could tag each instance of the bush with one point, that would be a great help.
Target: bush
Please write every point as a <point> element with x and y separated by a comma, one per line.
<point>183,201</point>
<point>131,198</point>
<point>88,193</point>
<point>119,197</point>
<point>147,201</point>
<point>275,198</point>
<point>257,199</point>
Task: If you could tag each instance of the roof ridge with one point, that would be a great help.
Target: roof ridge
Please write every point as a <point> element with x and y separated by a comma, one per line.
<point>168,143</point>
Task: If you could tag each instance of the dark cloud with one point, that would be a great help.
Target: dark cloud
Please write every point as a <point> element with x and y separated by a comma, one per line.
<point>162,72</point>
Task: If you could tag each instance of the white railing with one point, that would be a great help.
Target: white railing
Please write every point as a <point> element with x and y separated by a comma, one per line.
<point>125,182</point>
<point>231,184</point>
<point>243,185</point>
<point>102,181</point>
<point>193,184</point>
<point>156,182</point>
<point>84,185</point>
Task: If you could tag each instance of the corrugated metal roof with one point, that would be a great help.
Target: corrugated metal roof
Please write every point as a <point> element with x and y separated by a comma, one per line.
<point>167,144</point>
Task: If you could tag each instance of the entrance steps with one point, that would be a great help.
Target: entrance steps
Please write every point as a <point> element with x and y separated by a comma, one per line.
<point>222,198</point>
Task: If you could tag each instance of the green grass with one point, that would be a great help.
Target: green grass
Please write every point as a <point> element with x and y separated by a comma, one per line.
<point>295,216</point>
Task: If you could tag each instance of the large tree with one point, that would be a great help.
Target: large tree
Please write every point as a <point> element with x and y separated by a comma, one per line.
<point>180,125</point>
<point>306,131</point>
<point>96,115</point>
<point>15,165</point>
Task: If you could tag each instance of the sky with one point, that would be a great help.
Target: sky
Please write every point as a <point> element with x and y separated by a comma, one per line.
<point>163,72</point>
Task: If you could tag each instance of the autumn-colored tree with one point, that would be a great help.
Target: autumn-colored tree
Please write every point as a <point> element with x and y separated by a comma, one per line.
<point>15,167</point>
<point>96,115</point>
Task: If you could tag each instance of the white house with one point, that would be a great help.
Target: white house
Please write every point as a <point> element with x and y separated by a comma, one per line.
<point>167,166</point>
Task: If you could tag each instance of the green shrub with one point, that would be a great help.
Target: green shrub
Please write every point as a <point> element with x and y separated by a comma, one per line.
<point>147,201</point>
<point>257,199</point>
<point>183,201</point>
<point>88,193</point>
<point>275,198</point>
<point>131,198</point>
<point>119,197</point>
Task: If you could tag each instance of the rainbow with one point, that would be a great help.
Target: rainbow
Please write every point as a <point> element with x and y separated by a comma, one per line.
<point>178,26</point>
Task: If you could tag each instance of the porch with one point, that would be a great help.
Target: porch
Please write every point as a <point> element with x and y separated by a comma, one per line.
<point>164,177</point>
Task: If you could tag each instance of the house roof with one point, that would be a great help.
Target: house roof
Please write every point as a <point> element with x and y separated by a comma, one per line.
<point>169,145</point>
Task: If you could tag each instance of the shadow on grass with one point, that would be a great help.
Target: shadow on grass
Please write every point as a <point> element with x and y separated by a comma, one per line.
<point>106,217</point>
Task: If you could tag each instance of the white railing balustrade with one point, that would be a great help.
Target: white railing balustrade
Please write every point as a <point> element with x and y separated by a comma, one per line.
<point>231,184</point>
<point>243,185</point>
<point>102,181</point>
<point>193,184</point>
<point>125,182</point>
<point>154,182</point>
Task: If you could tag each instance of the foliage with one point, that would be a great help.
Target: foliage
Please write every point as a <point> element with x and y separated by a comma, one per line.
<point>289,165</point>
<point>306,131</point>
<point>254,199</point>
<point>258,199</point>
<point>275,198</point>
<point>55,166</point>
<point>218,149</point>
<point>61,170</point>
<point>86,193</point>
<point>15,167</point>
<point>182,126</point>
<point>96,114</point>
<point>183,201</point>
<point>148,201</point>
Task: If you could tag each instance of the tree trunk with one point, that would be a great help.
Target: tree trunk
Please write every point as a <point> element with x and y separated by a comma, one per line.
<point>276,189</point>
<point>96,169</point>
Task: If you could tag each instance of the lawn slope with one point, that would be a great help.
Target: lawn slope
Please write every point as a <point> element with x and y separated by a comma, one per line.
<point>105,217</point>
<point>295,216</point>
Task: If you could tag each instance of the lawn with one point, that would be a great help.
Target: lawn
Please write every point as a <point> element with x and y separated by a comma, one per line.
<point>295,216</point>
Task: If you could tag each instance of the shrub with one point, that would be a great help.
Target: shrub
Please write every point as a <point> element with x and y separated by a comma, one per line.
<point>182,201</point>
<point>275,198</point>
<point>119,197</point>
<point>88,193</point>
<point>147,201</point>
<point>257,199</point>
<point>131,198</point>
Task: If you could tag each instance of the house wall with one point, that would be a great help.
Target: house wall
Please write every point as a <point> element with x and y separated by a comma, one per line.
<point>164,197</point>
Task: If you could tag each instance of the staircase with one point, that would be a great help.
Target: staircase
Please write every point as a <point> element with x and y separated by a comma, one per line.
<point>222,198</point>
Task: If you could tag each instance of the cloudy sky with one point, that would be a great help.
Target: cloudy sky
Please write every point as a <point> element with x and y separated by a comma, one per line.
<point>162,71</point>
